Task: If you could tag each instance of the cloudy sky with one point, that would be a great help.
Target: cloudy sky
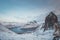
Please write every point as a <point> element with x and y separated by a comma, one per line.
<point>25,10</point>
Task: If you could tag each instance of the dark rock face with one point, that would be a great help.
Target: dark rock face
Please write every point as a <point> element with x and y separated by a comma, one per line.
<point>50,20</point>
<point>56,38</point>
<point>57,30</point>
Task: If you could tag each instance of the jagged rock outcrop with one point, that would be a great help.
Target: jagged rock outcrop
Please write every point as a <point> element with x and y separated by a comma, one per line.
<point>50,20</point>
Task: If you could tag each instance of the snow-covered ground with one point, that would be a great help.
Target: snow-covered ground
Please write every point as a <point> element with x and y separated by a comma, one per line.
<point>6,34</point>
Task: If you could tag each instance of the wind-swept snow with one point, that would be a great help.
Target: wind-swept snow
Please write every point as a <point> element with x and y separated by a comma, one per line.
<point>6,34</point>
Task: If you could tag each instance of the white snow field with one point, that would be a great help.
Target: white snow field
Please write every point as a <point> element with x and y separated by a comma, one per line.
<point>6,34</point>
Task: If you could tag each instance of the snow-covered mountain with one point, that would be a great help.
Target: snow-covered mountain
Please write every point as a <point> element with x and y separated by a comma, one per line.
<point>11,24</point>
<point>38,34</point>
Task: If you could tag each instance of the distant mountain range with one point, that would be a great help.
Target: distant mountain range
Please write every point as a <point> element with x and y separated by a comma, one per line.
<point>20,28</point>
<point>25,27</point>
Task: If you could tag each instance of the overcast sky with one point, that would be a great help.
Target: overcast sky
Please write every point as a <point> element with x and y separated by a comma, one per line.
<point>25,10</point>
